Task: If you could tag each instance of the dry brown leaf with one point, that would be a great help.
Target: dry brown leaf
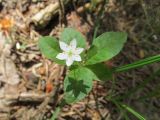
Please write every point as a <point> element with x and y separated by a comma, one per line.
<point>2,41</point>
<point>8,72</point>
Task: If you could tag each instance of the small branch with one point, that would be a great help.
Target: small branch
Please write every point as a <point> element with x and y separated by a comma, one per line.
<point>62,12</point>
<point>42,18</point>
<point>24,97</point>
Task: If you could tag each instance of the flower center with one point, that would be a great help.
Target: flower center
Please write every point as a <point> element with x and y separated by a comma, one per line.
<point>70,53</point>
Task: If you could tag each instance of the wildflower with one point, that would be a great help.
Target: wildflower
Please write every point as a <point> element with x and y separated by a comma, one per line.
<point>70,52</point>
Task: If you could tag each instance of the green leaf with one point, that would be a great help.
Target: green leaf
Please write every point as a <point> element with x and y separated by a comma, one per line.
<point>49,47</point>
<point>101,71</point>
<point>92,51</point>
<point>78,84</point>
<point>108,45</point>
<point>69,34</point>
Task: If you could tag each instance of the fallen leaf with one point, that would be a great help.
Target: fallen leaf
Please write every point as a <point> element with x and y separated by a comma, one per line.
<point>6,23</point>
<point>8,72</point>
<point>2,41</point>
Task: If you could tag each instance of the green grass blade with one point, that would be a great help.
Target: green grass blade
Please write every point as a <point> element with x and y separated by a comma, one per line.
<point>136,114</point>
<point>120,108</point>
<point>139,63</point>
<point>141,85</point>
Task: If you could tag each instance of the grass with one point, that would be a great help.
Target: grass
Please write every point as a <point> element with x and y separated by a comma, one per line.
<point>117,99</point>
<point>139,63</point>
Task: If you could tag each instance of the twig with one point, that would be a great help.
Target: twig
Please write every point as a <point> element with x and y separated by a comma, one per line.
<point>42,18</point>
<point>61,12</point>
<point>24,97</point>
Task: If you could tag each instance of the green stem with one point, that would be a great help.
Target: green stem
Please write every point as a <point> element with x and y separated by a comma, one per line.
<point>98,20</point>
<point>58,110</point>
<point>55,114</point>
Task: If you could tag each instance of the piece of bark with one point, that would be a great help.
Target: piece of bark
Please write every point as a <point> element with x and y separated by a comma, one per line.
<point>23,97</point>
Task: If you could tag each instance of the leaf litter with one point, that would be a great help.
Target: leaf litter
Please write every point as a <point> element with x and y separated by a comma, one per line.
<point>31,86</point>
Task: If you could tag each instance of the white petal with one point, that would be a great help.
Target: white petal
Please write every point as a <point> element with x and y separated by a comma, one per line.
<point>63,46</point>
<point>79,50</point>
<point>77,57</point>
<point>18,46</point>
<point>69,61</point>
<point>73,43</point>
<point>62,56</point>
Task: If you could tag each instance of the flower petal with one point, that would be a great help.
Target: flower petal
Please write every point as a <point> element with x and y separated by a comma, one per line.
<point>69,61</point>
<point>73,44</point>
<point>77,57</point>
<point>63,46</point>
<point>62,56</point>
<point>79,50</point>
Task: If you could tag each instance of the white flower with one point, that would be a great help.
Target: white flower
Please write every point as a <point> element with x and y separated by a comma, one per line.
<point>70,52</point>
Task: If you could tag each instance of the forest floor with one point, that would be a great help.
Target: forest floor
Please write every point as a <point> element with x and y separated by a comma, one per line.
<point>31,86</point>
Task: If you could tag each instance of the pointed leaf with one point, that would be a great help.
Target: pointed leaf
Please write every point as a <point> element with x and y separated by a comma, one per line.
<point>101,71</point>
<point>69,34</point>
<point>78,84</point>
<point>108,45</point>
<point>49,47</point>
